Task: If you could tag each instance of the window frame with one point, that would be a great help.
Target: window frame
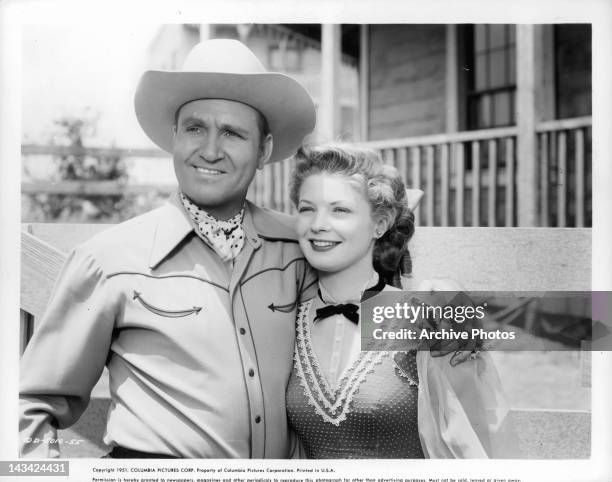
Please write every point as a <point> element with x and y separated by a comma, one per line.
<point>470,94</point>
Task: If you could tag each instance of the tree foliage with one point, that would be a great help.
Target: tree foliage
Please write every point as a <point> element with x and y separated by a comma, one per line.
<point>78,166</point>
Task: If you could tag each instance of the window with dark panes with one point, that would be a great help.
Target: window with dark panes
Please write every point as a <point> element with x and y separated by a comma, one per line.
<point>573,87</point>
<point>491,80</point>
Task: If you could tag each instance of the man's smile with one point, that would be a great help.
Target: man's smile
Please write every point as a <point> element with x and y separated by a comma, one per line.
<point>208,171</point>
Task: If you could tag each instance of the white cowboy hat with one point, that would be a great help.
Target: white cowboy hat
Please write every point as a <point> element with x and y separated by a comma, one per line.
<point>226,69</point>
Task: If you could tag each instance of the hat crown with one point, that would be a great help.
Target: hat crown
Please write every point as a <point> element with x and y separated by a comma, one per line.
<point>223,55</point>
<point>225,69</point>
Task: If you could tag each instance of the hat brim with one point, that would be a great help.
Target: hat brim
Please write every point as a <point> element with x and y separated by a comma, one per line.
<point>285,104</point>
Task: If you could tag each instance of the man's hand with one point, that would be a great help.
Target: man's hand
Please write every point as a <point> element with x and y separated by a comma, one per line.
<point>445,291</point>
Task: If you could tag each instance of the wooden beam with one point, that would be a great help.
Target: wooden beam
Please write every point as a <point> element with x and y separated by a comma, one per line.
<point>388,157</point>
<point>328,115</point>
<point>430,197</point>
<point>287,168</point>
<point>415,155</point>
<point>544,165</point>
<point>402,165</point>
<point>562,178</point>
<point>464,136</point>
<point>452,81</point>
<point>510,183</point>
<point>46,150</point>
<point>580,177</point>
<point>278,186</point>
<point>528,57</point>
<point>364,82</point>
<point>475,184</point>
<point>268,186</point>
<point>479,258</point>
<point>486,258</point>
<point>64,237</point>
<point>459,184</point>
<point>564,124</point>
<point>478,135</point>
<point>40,266</point>
<point>259,183</point>
<point>492,184</point>
<point>444,184</point>
<point>94,188</point>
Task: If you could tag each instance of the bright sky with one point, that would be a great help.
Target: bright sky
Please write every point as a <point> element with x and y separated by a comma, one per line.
<point>80,70</point>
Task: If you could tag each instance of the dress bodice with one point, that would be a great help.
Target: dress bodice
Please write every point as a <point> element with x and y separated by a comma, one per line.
<point>370,413</point>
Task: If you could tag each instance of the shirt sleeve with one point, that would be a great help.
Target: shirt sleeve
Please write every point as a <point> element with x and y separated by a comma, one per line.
<point>66,356</point>
<point>462,411</point>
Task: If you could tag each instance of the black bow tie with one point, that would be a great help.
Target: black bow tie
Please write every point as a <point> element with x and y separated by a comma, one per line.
<point>349,310</point>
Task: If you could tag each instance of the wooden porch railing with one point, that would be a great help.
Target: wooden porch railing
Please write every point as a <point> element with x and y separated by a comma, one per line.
<point>465,175</point>
<point>469,178</point>
<point>564,155</point>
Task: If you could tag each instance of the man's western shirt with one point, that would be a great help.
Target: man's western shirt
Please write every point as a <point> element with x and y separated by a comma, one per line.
<point>198,353</point>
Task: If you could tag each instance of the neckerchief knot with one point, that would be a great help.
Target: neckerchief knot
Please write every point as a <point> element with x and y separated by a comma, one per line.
<point>225,237</point>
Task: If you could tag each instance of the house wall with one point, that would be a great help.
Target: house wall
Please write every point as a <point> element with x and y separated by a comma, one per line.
<point>407,80</point>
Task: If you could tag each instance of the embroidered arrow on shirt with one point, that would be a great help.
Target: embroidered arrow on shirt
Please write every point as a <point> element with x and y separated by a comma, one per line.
<point>168,313</point>
<point>283,308</point>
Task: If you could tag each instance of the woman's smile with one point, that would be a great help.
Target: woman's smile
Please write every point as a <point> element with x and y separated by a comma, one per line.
<point>321,245</point>
<point>334,224</point>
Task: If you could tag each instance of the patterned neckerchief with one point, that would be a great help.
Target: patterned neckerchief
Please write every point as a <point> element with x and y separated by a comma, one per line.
<point>225,237</point>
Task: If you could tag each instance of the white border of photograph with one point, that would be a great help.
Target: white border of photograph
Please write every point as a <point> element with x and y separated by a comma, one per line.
<point>14,14</point>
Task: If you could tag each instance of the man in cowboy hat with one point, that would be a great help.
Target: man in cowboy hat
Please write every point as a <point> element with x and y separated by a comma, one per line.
<point>191,306</point>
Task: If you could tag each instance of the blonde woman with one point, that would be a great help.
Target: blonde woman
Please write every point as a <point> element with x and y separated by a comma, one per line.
<point>353,225</point>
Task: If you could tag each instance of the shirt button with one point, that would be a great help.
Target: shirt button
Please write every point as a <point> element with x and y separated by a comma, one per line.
<point>251,372</point>
<point>257,419</point>
<point>242,331</point>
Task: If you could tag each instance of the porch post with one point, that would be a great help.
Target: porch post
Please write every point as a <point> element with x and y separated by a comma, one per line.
<point>328,115</point>
<point>364,82</point>
<point>528,87</point>
<point>452,82</point>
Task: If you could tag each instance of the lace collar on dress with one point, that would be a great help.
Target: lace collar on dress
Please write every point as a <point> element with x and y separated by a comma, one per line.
<point>331,403</point>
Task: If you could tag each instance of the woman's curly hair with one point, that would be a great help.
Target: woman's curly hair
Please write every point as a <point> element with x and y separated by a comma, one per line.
<point>384,190</point>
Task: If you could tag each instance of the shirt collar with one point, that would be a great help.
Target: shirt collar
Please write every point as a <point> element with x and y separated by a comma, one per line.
<point>327,298</point>
<point>174,224</point>
<point>264,225</point>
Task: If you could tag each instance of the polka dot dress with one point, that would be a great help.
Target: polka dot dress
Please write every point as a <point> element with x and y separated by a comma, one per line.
<point>225,237</point>
<point>371,413</point>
